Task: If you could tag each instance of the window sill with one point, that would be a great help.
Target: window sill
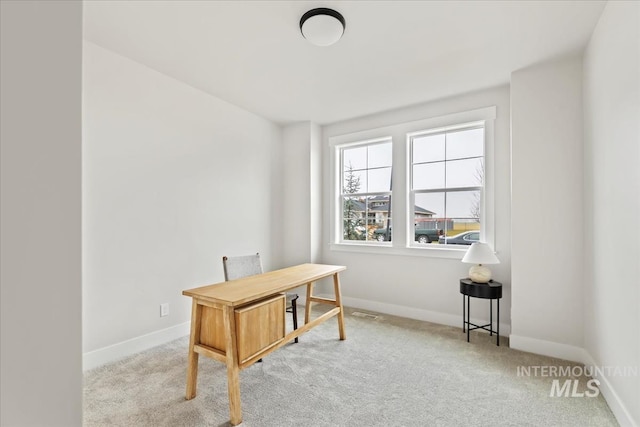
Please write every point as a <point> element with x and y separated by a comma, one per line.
<point>387,249</point>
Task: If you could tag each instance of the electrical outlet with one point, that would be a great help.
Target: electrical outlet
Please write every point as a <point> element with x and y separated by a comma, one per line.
<point>164,309</point>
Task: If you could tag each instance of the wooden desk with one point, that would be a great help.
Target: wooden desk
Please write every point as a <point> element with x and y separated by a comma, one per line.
<point>240,321</point>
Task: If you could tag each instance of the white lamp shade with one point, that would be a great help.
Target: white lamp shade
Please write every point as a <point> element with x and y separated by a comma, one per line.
<point>322,27</point>
<point>480,253</point>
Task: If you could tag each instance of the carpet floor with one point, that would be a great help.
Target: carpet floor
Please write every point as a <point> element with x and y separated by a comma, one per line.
<point>390,371</point>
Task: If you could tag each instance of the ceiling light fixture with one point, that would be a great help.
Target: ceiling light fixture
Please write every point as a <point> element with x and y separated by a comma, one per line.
<point>322,26</point>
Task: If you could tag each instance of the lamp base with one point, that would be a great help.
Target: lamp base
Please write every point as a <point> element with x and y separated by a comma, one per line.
<point>480,274</point>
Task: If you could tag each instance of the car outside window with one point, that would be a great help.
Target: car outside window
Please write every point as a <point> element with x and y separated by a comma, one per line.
<point>473,237</point>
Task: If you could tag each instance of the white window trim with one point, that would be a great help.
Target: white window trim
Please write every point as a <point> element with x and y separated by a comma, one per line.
<point>412,193</point>
<point>400,137</point>
<point>337,189</point>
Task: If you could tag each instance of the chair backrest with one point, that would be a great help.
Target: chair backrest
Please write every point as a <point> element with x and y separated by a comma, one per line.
<point>241,266</point>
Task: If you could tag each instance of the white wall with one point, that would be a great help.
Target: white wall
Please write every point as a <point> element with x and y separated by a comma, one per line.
<point>417,286</point>
<point>316,185</point>
<point>40,349</point>
<point>546,210</point>
<point>173,179</point>
<point>301,190</point>
<point>612,203</point>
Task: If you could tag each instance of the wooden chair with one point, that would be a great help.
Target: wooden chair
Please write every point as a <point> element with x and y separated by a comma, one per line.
<point>249,265</point>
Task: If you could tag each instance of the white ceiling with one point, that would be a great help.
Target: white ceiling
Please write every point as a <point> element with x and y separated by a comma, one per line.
<point>393,53</point>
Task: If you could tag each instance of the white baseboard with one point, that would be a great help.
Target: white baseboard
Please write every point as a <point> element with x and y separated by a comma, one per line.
<point>548,348</point>
<point>414,313</point>
<point>99,357</point>
<point>615,404</point>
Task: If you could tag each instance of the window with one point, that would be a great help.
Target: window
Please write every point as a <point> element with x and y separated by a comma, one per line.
<point>441,199</point>
<point>365,191</point>
<point>447,179</point>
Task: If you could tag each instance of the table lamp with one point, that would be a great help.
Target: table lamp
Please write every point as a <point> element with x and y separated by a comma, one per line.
<point>480,253</point>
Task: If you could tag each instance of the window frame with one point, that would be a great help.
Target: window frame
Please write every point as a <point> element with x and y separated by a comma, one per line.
<point>340,195</point>
<point>412,192</point>
<point>401,194</point>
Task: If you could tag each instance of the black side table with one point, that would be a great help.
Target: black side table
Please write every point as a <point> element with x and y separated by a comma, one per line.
<point>491,291</point>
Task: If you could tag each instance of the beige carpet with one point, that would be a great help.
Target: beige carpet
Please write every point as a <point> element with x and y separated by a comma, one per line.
<point>389,372</point>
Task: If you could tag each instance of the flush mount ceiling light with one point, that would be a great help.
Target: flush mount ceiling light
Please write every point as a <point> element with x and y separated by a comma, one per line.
<point>322,26</point>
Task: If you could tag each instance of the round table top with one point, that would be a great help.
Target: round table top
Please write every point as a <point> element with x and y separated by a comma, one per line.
<point>490,290</point>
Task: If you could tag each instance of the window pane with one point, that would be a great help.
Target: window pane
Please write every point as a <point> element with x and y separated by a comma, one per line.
<point>463,205</point>
<point>379,155</point>
<point>354,182</point>
<point>465,173</point>
<point>353,215</point>
<point>428,148</point>
<point>379,218</point>
<point>363,217</point>
<point>430,205</point>
<point>379,180</point>
<point>355,158</point>
<point>428,176</point>
<point>466,143</point>
<point>429,220</point>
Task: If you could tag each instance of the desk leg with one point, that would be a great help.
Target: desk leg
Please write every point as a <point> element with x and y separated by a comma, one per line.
<point>233,368</point>
<point>194,339</point>
<point>336,289</point>
<point>307,306</point>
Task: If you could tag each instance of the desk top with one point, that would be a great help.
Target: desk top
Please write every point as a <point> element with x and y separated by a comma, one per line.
<point>252,288</point>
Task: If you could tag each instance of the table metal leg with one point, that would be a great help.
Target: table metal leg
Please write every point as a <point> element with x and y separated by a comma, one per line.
<point>468,316</point>
<point>490,317</point>
<point>464,314</point>
<point>498,327</point>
